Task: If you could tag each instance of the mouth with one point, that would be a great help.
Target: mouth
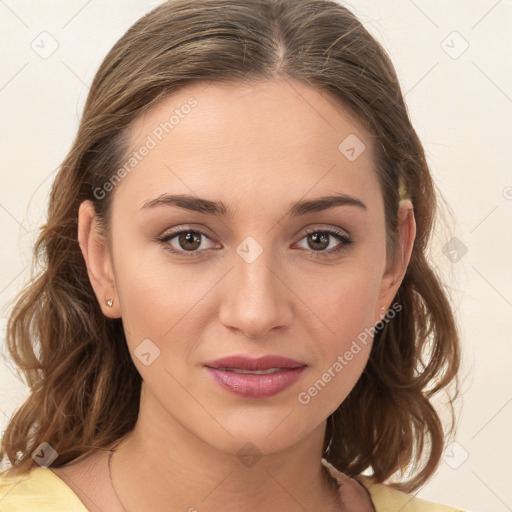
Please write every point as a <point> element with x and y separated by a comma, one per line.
<point>252,372</point>
<point>242,362</point>
<point>255,378</point>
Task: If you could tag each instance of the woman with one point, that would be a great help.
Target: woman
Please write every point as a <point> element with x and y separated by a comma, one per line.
<point>200,346</point>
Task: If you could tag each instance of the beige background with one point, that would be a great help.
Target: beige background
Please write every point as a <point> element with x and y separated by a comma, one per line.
<point>459,92</point>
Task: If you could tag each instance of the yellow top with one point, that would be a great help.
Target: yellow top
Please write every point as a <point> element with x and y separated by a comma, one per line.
<point>41,490</point>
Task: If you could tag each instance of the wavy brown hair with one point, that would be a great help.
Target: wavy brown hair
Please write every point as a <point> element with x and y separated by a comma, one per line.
<point>84,387</point>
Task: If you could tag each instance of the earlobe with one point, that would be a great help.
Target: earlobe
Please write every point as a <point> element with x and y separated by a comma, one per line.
<point>97,260</point>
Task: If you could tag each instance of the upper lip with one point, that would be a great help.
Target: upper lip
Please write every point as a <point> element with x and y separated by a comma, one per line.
<point>248,363</point>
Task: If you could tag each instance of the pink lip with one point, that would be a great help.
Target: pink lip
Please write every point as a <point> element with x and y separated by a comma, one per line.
<point>255,385</point>
<point>248,363</point>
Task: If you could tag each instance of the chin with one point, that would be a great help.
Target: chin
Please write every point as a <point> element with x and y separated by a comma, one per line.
<point>257,438</point>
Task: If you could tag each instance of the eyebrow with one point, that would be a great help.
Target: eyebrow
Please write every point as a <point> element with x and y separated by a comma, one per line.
<point>219,209</point>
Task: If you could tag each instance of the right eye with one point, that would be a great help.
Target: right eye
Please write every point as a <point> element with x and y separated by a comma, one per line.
<point>184,242</point>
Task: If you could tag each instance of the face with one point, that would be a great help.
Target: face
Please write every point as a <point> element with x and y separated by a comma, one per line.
<point>254,274</point>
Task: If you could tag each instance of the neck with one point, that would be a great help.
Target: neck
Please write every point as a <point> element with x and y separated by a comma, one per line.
<point>163,466</point>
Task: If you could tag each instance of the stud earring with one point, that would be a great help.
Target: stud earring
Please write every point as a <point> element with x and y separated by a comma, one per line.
<point>110,302</point>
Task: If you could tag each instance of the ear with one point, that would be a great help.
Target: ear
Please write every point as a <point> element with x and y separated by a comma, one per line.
<point>97,258</point>
<point>393,276</point>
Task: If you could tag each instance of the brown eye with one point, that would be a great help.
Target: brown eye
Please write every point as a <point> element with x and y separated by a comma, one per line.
<point>319,240</point>
<point>189,240</point>
<point>186,242</point>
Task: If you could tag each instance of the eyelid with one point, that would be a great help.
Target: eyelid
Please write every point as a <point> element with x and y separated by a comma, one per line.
<point>171,233</point>
<point>328,229</point>
<point>344,238</point>
<point>344,241</point>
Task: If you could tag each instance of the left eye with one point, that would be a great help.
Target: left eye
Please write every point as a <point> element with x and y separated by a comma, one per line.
<point>318,240</point>
<point>189,242</point>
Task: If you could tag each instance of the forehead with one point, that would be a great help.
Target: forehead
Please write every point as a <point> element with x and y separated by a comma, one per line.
<point>229,141</point>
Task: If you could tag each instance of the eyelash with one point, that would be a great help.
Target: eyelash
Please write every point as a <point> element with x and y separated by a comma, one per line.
<point>342,237</point>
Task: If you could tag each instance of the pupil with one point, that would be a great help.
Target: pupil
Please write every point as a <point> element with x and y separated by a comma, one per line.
<point>322,238</point>
<point>189,238</point>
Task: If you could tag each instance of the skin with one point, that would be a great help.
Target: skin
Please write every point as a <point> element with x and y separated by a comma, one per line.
<point>275,139</point>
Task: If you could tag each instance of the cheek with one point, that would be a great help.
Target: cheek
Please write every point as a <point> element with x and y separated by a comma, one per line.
<point>349,315</point>
<point>346,297</point>
<point>341,326</point>
<point>146,290</point>
<point>160,300</point>
<point>341,346</point>
<point>154,303</point>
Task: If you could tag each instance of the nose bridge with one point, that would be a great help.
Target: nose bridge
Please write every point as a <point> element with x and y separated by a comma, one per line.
<point>255,300</point>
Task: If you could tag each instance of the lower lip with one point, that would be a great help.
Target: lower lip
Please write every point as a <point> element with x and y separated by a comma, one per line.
<point>256,385</point>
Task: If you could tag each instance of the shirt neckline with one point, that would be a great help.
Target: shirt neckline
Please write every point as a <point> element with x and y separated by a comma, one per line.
<point>364,481</point>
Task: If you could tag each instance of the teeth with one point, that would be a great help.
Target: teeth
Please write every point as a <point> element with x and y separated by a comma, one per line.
<point>257,372</point>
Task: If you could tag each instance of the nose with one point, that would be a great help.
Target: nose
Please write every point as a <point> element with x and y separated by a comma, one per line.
<point>256,298</point>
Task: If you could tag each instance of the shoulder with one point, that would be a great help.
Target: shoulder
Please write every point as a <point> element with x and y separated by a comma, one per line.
<point>40,490</point>
<point>387,499</point>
